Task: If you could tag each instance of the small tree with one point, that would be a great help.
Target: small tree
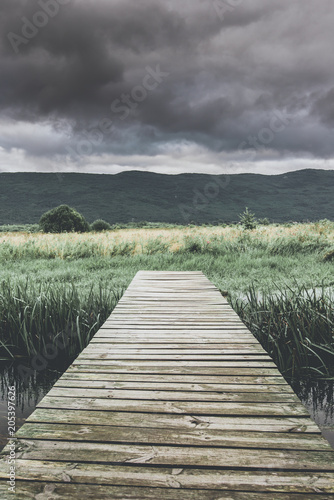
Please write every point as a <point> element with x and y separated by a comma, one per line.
<point>100,225</point>
<point>248,220</point>
<point>63,219</point>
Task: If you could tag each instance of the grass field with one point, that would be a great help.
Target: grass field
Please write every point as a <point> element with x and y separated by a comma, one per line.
<point>53,284</point>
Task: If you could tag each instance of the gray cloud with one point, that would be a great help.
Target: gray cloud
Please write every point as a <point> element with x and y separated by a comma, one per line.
<point>227,77</point>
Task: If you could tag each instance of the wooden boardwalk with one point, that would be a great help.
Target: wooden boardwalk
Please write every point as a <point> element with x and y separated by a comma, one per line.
<point>172,399</point>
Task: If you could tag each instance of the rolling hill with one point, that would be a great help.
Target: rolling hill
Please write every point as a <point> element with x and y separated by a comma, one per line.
<point>135,196</point>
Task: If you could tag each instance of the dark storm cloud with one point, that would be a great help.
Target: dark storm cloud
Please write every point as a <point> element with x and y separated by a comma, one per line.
<point>230,67</point>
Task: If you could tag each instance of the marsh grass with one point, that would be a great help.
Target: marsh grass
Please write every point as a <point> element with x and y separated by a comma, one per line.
<point>53,284</point>
<point>273,240</point>
<point>296,327</point>
<point>35,317</point>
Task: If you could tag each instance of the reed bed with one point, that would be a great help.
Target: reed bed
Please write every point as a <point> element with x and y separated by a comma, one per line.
<point>296,327</point>
<point>43,318</point>
<point>58,289</point>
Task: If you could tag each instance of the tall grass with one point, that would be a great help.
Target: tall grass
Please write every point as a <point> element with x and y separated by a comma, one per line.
<point>296,327</point>
<point>58,286</point>
<point>37,317</point>
<point>270,240</point>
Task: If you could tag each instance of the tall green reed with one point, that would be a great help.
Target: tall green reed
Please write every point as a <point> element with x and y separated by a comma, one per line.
<point>296,327</point>
<point>37,316</point>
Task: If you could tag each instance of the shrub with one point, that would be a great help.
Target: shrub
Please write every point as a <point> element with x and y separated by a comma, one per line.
<point>192,245</point>
<point>264,222</point>
<point>100,225</point>
<point>63,219</point>
<point>248,220</point>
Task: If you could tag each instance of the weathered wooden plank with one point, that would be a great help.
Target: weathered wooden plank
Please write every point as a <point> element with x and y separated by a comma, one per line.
<point>163,341</point>
<point>166,436</point>
<point>223,331</point>
<point>251,481</point>
<point>150,354</point>
<point>157,335</point>
<point>73,373</point>
<point>265,364</point>
<point>91,354</point>
<point>176,306</point>
<point>166,313</point>
<point>183,301</point>
<point>156,395</point>
<point>228,326</point>
<point>171,320</point>
<point>196,333</point>
<point>205,299</point>
<point>83,382</point>
<point>175,456</point>
<point>229,350</point>
<point>121,367</point>
<point>170,316</point>
<point>164,299</point>
<point>209,330</point>
<point>197,296</point>
<point>227,354</point>
<point>186,407</point>
<point>46,490</point>
<point>147,338</point>
<point>175,421</point>
<point>189,348</point>
<point>171,295</point>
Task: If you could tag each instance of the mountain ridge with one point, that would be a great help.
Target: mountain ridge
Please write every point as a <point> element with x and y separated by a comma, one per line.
<point>182,198</point>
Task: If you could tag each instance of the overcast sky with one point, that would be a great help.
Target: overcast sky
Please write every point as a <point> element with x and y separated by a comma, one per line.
<point>170,86</point>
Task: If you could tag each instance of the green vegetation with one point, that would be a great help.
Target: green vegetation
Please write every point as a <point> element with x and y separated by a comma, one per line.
<point>20,228</point>
<point>183,199</point>
<point>264,222</point>
<point>295,327</point>
<point>63,219</point>
<point>55,284</point>
<point>100,225</point>
<point>248,220</point>
<point>38,317</point>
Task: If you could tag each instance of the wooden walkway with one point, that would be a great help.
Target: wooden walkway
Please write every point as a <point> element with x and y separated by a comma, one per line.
<point>172,399</point>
